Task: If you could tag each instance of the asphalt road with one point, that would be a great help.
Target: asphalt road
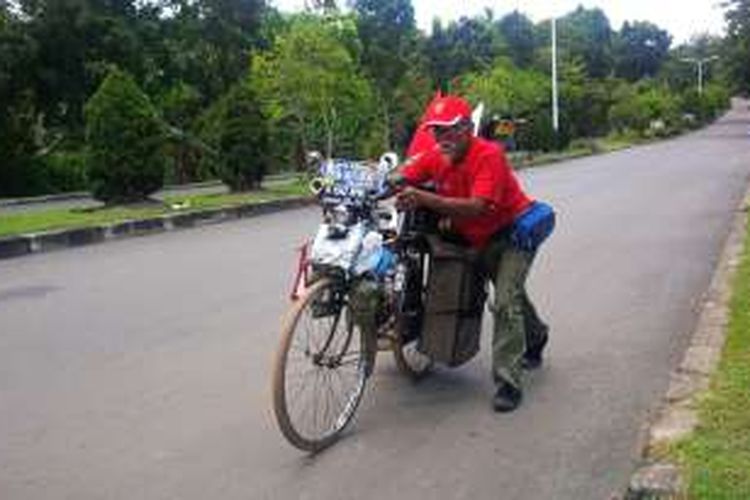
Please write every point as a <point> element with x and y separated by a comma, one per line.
<point>139,369</point>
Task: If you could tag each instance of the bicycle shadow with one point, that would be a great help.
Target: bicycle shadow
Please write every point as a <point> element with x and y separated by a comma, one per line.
<point>396,408</point>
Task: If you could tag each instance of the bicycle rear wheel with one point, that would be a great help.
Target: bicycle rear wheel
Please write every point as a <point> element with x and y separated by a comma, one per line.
<point>319,372</point>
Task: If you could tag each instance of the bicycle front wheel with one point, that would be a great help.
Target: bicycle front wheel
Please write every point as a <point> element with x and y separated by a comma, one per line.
<point>319,372</point>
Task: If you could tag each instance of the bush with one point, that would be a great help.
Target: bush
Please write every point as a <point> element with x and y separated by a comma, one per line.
<point>641,109</point>
<point>701,108</point>
<point>63,171</point>
<point>125,141</point>
<point>537,134</point>
<point>243,140</point>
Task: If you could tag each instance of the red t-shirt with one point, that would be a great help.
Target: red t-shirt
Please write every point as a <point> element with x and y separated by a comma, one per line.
<point>483,173</point>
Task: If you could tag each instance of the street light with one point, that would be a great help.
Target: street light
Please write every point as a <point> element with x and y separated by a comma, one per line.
<point>699,62</point>
<point>555,111</point>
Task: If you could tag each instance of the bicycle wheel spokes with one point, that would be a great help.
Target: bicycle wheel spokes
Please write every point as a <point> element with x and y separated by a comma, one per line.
<point>319,375</point>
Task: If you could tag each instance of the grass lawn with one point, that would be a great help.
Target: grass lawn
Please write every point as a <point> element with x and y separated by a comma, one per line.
<point>717,455</point>
<point>31,222</point>
<point>39,221</point>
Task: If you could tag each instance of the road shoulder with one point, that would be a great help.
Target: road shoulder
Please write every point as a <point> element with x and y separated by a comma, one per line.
<point>657,477</point>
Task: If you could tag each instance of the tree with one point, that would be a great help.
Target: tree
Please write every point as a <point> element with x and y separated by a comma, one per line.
<point>507,90</point>
<point>206,44</point>
<point>586,34</point>
<point>180,105</point>
<point>518,32</point>
<point>243,139</point>
<point>76,41</point>
<point>466,45</point>
<point>18,111</point>
<point>514,93</point>
<point>310,85</point>
<point>388,34</point>
<point>641,48</point>
<point>125,141</point>
<point>738,43</point>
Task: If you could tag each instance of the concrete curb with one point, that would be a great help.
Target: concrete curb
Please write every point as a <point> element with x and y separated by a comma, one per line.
<point>26,244</point>
<point>657,478</point>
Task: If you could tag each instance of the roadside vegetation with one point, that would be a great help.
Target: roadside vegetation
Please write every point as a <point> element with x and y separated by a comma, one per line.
<point>48,220</point>
<point>121,97</point>
<point>14,223</point>
<point>716,456</point>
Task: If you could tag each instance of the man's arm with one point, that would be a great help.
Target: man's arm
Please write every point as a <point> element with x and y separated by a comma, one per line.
<point>411,198</point>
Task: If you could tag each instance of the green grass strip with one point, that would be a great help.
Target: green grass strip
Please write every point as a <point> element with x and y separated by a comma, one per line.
<point>34,222</point>
<point>717,455</point>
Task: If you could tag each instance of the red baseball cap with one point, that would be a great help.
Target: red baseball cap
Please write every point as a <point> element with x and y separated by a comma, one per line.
<point>446,111</point>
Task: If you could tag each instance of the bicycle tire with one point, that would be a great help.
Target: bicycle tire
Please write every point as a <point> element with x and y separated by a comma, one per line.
<point>323,362</point>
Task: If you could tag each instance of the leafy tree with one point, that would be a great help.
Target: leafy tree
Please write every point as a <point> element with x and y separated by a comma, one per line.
<point>640,50</point>
<point>585,102</point>
<point>507,90</point>
<point>243,140</point>
<point>586,34</point>
<point>388,34</point>
<point>76,40</point>
<point>310,85</point>
<point>518,32</point>
<point>180,105</point>
<point>410,98</point>
<point>207,44</point>
<point>738,43</point>
<point>466,45</point>
<point>513,93</point>
<point>18,113</point>
<point>125,141</point>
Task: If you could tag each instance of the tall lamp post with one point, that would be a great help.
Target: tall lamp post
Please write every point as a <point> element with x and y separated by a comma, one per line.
<point>700,62</point>
<point>555,110</point>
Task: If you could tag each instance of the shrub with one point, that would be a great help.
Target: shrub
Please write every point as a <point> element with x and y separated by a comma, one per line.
<point>125,139</point>
<point>65,171</point>
<point>642,109</point>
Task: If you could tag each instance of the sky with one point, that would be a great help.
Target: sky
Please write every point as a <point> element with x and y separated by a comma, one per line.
<point>682,18</point>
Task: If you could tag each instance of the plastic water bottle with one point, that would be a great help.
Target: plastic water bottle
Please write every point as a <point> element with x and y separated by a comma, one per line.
<point>369,254</point>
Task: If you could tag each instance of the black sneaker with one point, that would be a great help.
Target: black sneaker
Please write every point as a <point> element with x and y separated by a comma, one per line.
<point>507,398</point>
<point>532,358</point>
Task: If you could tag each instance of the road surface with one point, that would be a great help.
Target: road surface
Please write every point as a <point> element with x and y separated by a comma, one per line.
<point>139,369</point>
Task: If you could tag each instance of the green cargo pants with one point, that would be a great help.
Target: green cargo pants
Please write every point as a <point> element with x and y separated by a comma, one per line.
<point>516,324</point>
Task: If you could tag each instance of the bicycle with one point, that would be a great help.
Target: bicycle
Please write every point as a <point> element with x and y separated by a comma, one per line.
<point>325,356</point>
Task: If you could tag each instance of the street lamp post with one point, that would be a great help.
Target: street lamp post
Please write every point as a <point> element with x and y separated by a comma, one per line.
<point>700,62</point>
<point>555,110</point>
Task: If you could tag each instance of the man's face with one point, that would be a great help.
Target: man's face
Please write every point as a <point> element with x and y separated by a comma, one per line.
<point>453,140</point>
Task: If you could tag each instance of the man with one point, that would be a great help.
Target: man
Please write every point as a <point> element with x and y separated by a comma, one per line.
<point>479,197</point>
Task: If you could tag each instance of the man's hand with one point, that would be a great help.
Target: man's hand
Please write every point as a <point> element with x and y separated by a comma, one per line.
<point>410,198</point>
